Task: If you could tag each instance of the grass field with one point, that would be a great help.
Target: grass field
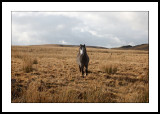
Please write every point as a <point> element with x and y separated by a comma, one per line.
<point>50,74</point>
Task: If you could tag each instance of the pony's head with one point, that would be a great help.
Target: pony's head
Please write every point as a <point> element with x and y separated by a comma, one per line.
<point>82,49</point>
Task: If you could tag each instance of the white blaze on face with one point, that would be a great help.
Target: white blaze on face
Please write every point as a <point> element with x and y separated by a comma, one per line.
<point>81,51</point>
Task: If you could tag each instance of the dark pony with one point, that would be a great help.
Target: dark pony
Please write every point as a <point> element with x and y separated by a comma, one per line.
<point>83,59</point>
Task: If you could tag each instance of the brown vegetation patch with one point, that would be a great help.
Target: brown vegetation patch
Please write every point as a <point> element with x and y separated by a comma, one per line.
<point>50,74</point>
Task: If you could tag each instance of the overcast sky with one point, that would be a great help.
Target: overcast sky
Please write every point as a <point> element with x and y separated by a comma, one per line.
<point>107,29</point>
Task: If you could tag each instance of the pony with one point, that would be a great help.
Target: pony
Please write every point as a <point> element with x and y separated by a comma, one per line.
<point>83,59</point>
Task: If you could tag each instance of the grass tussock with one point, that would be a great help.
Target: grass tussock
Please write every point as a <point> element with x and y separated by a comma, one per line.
<point>35,61</point>
<point>27,59</point>
<point>109,68</point>
<point>27,66</point>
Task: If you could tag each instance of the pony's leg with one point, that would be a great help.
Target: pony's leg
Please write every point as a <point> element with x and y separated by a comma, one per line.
<point>79,68</point>
<point>82,69</point>
<point>86,69</point>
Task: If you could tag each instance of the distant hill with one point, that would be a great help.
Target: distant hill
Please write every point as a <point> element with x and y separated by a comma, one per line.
<point>127,47</point>
<point>141,47</point>
<point>61,45</point>
<point>137,47</point>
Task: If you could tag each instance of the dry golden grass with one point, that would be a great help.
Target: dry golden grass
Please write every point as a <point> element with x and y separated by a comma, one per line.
<point>50,74</point>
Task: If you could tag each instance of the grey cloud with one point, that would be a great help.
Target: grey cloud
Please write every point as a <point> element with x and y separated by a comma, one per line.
<point>99,29</point>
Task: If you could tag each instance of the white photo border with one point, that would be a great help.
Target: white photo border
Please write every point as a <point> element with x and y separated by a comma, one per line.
<point>7,8</point>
